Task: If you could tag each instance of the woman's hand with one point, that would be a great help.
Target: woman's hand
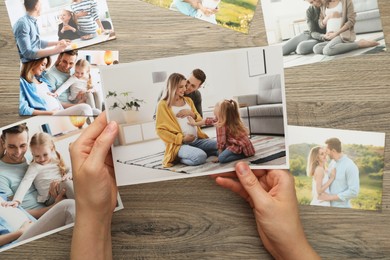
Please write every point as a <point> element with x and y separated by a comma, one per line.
<point>185,113</point>
<point>188,138</point>
<point>271,194</point>
<point>332,175</point>
<point>13,203</point>
<point>95,190</point>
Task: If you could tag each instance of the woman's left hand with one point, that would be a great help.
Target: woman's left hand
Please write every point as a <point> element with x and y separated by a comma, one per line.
<point>184,113</point>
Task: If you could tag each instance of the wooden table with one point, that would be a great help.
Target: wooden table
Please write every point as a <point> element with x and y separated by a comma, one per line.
<point>193,218</point>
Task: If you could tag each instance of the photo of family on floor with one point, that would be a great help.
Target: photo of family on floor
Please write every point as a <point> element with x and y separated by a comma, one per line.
<point>47,27</point>
<point>67,84</point>
<point>197,114</point>
<point>36,184</point>
<point>232,14</point>
<point>337,168</point>
<point>321,30</point>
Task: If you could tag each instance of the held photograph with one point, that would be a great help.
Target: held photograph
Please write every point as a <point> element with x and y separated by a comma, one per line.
<point>67,84</point>
<point>337,168</point>
<point>232,14</point>
<point>36,183</point>
<point>47,27</point>
<point>321,30</point>
<point>197,114</point>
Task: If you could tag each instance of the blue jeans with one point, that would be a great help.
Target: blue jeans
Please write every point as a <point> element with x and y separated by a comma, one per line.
<point>196,153</point>
<point>228,156</point>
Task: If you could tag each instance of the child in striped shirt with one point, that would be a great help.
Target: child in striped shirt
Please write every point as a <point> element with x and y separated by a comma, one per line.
<point>87,17</point>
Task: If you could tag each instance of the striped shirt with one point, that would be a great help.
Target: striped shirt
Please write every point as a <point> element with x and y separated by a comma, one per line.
<point>86,24</point>
<point>237,144</point>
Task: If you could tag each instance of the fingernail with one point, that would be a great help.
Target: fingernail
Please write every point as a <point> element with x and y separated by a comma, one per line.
<point>111,126</point>
<point>243,169</point>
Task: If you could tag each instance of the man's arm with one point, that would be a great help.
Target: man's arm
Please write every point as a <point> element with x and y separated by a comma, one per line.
<point>353,183</point>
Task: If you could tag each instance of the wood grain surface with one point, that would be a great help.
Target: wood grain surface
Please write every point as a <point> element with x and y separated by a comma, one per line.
<point>193,218</point>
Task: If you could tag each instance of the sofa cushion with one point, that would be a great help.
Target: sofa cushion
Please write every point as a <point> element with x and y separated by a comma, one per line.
<point>269,110</point>
<point>364,5</point>
<point>269,90</point>
<point>372,14</point>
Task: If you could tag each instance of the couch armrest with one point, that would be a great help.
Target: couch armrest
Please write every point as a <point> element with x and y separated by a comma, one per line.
<point>247,100</point>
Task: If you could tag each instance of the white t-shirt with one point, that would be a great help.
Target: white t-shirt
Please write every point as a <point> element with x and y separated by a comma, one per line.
<point>14,217</point>
<point>52,103</point>
<point>41,176</point>
<point>334,24</point>
<point>183,122</point>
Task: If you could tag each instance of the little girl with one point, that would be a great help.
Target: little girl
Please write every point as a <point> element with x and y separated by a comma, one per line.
<point>68,28</point>
<point>47,166</point>
<point>232,136</point>
<point>80,84</point>
<point>87,17</point>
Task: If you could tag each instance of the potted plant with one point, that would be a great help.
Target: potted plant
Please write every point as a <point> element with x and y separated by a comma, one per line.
<point>129,104</point>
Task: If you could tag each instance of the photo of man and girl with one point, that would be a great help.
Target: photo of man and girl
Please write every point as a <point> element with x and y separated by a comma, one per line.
<point>337,168</point>
<point>236,15</point>
<point>320,30</point>
<point>47,27</point>
<point>36,186</point>
<point>64,84</point>
<point>201,113</point>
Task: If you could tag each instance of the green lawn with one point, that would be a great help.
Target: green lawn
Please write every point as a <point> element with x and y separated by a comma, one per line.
<point>370,195</point>
<point>233,14</point>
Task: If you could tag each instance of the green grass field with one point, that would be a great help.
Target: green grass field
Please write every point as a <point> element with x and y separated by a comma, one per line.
<point>233,14</point>
<point>370,195</point>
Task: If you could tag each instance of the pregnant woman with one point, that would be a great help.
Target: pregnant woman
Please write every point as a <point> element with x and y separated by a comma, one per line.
<point>338,17</point>
<point>35,93</point>
<point>183,143</point>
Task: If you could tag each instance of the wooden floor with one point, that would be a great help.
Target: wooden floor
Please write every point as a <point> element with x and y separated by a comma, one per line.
<point>193,218</point>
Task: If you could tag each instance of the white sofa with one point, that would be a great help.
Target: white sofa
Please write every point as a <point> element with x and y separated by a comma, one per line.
<point>265,107</point>
<point>367,16</point>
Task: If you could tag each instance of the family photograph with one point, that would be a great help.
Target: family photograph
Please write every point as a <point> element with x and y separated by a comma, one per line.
<point>201,114</point>
<point>345,170</point>
<point>36,182</point>
<point>44,28</point>
<point>320,30</point>
<point>65,84</point>
<point>232,14</point>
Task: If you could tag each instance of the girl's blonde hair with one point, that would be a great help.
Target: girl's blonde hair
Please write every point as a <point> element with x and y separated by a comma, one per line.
<point>84,64</point>
<point>312,160</point>
<point>172,84</point>
<point>45,139</point>
<point>229,116</point>
<point>27,68</point>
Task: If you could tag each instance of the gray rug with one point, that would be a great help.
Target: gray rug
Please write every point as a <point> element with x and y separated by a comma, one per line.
<point>269,149</point>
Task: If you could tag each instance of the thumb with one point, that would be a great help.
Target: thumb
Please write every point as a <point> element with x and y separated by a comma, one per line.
<point>251,184</point>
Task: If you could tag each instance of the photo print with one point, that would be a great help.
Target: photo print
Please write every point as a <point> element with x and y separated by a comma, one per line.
<point>65,84</point>
<point>34,156</point>
<point>314,30</point>
<point>197,114</point>
<point>337,168</point>
<point>236,14</point>
<point>46,27</point>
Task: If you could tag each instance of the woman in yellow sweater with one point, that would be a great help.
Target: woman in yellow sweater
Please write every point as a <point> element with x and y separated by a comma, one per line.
<point>183,143</point>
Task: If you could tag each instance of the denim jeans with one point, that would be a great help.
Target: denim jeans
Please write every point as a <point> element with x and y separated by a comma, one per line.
<point>228,156</point>
<point>196,153</point>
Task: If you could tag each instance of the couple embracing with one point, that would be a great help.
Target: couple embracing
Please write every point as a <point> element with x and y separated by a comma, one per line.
<point>336,184</point>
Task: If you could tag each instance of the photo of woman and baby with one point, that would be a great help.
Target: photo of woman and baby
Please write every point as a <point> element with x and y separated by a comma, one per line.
<point>47,27</point>
<point>200,121</point>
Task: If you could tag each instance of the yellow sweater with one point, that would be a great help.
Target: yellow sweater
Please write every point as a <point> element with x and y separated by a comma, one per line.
<point>168,129</point>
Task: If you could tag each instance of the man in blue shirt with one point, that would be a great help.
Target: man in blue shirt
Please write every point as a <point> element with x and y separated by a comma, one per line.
<point>346,184</point>
<point>27,36</point>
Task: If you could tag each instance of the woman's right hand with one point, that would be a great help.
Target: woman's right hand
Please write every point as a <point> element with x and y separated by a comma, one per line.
<point>332,175</point>
<point>188,138</point>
